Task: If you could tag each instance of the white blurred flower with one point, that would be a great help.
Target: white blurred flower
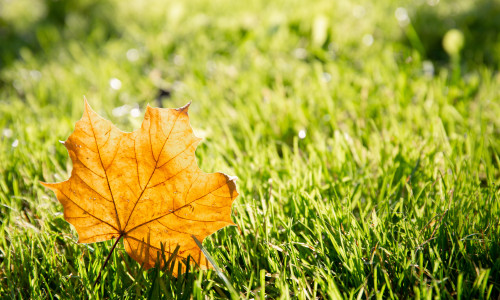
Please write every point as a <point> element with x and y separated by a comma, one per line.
<point>368,39</point>
<point>132,54</point>
<point>115,83</point>
<point>402,16</point>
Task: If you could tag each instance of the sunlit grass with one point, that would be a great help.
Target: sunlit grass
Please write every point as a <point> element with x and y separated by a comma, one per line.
<point>365,170</point>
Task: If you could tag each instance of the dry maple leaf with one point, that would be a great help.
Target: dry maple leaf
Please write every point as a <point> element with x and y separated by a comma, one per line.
<point>144,186</point>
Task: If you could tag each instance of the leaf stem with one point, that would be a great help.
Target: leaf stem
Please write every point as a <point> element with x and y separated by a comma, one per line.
<point>106,261</point>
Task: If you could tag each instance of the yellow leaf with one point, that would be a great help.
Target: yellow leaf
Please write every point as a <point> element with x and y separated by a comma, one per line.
<point>144,186</point>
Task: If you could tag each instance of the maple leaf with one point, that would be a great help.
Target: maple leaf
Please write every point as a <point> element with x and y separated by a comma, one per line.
<point>143,186</point>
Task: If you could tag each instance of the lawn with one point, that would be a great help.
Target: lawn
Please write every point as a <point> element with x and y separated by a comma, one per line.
<point>367,155</point>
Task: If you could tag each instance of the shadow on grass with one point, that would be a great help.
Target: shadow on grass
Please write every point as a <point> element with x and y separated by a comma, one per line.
<point>480,24</point>
<point>40,25</point>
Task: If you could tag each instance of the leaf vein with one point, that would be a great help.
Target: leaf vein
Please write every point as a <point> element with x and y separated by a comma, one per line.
<point>87,211</point>
<point>173,211</point>
<point>152,173</point>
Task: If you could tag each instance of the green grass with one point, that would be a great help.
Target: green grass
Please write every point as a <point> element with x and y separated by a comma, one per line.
<point>392,193</point>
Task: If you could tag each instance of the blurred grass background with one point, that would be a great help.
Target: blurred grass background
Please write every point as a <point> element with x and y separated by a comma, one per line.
<point>365,136</point>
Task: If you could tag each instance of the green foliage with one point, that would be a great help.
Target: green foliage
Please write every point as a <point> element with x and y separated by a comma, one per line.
<point>478,20</point>
<point>366,170</point>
